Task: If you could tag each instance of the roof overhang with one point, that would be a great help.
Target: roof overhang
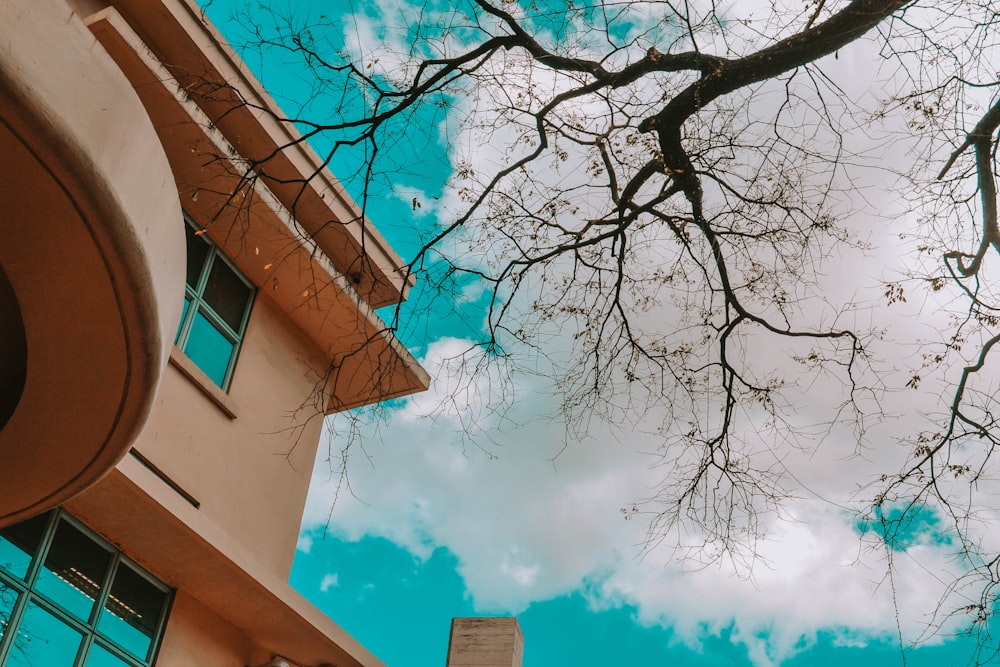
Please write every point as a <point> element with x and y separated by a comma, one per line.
<point>90,253</point>
<point>207,69</point>
<point>254,227</point>
<point>181,546</point>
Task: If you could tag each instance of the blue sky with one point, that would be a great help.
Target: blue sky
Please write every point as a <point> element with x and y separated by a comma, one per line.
<point>460,510</point>
<point>397,604</point>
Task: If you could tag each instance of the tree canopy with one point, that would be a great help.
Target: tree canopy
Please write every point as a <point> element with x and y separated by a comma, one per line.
<point>769,224</point>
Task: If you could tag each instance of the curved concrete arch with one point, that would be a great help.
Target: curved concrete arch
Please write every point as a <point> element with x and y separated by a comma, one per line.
<point>92,246</point>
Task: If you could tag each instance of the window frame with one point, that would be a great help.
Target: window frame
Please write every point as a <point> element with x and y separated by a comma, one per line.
<point>89,629</point>
<point>195,303</point>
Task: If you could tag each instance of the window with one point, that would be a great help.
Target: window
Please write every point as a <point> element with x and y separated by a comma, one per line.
<point>70,599</point>
<point>217,302</point>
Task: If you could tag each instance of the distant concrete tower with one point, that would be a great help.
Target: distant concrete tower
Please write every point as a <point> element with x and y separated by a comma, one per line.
<point>485,642</point>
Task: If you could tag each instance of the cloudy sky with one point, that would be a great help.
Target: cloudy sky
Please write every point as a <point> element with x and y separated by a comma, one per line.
<point>456,508</point>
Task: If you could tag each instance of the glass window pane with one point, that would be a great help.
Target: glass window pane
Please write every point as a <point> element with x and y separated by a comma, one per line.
<point>226,294</point>
<point>56,623</point>
<point>209,349</point>
<point>8,598</point>
<point>132,612</point>
<point>43,641</point>
<point>18,543</point>
<point>101,657</point>
<point>74,571</point>
<point>197,251</point>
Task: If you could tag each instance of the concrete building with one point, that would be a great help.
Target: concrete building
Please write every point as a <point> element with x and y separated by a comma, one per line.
<point>485,642</point>
<point>171,334</point>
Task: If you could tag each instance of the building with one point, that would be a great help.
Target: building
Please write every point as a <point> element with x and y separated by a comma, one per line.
<point>485,642</point>
<point>173,328</point>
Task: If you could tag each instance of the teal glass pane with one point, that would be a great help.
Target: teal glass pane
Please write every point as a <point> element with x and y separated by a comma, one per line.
<point>197,251</point>
<point>209,349</point>
<point>226,294</point>
<point>8,597</point>
<point>101,657</point>
<point>19,543</point>
<point>184,312</point>
<point>74,570</point>
<point>43,640</point>
<point>132,613</point>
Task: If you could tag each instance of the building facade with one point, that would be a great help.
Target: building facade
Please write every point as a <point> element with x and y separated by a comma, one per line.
<point>185,292</point>
<point>485,642</point>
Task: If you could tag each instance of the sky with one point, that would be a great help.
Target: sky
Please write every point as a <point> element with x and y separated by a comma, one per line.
<point>458,509</point>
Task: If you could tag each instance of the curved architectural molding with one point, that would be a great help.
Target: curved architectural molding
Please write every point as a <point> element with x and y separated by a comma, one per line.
<point>91,245</point>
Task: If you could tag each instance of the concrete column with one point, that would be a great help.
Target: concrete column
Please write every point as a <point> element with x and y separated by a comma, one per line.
<point>485,642</point>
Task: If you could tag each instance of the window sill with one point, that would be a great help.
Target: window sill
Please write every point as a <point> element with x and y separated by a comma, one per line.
<point>198,378</point>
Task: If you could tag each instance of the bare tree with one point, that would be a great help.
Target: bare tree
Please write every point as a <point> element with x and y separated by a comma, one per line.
<point>700,162</point>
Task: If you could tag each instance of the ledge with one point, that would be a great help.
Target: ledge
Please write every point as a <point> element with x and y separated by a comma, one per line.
<point>183,548</point>
<point>188,369</point>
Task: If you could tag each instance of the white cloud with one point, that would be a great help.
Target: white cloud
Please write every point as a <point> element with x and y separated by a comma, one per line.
<point>331,580</point>
<point>530,520</point>
<point>421,204</point>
